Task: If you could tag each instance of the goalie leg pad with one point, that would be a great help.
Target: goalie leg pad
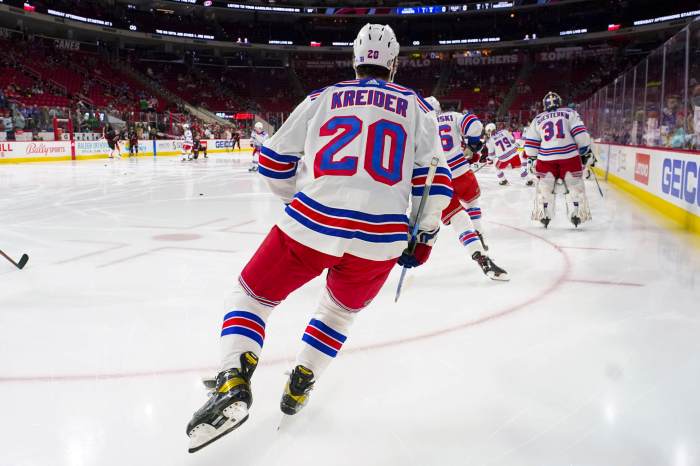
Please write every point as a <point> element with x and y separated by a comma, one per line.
<point>576,198</point>
<point>544,199</point>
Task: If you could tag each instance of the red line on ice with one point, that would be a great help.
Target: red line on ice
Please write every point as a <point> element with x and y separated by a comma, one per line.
<point>561,279</point>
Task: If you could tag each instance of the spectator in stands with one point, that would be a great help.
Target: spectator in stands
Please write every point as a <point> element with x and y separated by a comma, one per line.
<point>18,119</point>
<point>9,127</point>
<point>3,101</point>
<point>143,105</point>
<point>695,106</point>
<point>44,118</point>
<point>152,104</point>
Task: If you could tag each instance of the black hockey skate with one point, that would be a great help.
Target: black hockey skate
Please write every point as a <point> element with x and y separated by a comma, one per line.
<point>490,269</point>
<point>503,182</point>
<point>530,183</point>
<point>545,221</point>
<point>227,406</point>
<point>296,392</point>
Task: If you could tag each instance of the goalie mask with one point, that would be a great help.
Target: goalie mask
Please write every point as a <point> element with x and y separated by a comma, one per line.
<point>551,101</point>
<point>376,44</point>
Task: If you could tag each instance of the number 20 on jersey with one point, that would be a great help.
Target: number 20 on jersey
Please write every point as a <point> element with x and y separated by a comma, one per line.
<point>345,130</point>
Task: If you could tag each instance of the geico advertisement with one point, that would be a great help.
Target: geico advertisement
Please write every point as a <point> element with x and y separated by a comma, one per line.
<point>671,175</point>
<point>679,179</point>
<point>32,149</point>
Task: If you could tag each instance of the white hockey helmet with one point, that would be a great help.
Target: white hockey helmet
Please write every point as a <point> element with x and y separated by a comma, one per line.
<point>258,127</point>
<point>489,129</point>
<point>434,103</point>
<point>376,44</point>
<point>185,126</point>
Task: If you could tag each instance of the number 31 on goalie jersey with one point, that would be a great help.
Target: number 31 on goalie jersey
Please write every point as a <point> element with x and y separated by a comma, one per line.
<point>345,130</point>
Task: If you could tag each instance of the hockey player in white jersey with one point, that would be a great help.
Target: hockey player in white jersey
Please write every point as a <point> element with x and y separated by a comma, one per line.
<point>257,138</point>
<point>463,213</point>
<point>558,139</point>
<point>346,164</point>
<point>503,150</point>
<point>187,142</point>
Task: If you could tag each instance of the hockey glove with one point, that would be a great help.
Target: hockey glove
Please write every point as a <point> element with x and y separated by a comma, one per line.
<point>418,249</point>
<point>587,156</point>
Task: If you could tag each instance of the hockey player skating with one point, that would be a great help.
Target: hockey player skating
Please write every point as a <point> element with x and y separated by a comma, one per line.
<point>133,143</point>
<point>503,150</point>
<point>345,163</point>
<point>199,144</point>
<point>257,138</point>
<point>112,139</point>
<point>187,143</point>
<point>558,138</point>
<point>463,213</point>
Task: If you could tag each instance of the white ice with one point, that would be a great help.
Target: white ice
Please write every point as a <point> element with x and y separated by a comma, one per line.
<point>589,356</point>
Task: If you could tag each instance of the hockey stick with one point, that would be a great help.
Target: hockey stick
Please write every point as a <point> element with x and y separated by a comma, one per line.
<point>22,260</point>
<point>482,166</point>
<point>416,221</point>
<point>595,178</point>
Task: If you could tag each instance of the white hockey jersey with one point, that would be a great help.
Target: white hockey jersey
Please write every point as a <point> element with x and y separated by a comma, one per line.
<point>502,146</point>
<point>257,139</point>
<point>455,127</point>
<point>556,135</point>
<point>346,163</point>
<point>187,136</point>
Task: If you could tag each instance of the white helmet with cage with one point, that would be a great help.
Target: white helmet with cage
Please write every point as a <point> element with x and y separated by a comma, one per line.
<point>490,129</point>
<point>259,127</point>
<point>185,126</point>
<point>376,44</point>
<point>434,103</point>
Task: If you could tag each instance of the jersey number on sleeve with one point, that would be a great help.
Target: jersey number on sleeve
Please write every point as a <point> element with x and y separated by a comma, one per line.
<point>549,130</point>
<point>379,134</point>
<point>447,141</point>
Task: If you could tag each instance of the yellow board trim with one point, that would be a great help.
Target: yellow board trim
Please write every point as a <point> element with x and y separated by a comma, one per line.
<point>684,219</point>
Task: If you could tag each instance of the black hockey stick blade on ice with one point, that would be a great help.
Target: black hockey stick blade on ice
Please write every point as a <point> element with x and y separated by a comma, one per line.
<point>22,260</point>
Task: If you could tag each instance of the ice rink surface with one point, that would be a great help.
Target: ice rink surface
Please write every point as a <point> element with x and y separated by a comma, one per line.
<point>589,356</point>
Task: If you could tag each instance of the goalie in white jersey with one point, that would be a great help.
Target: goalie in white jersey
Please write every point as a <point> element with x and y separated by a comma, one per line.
<point>504,151</point>
<point>346,164</point>
<point>257,139</point>
<point>463,212</point>
<point>559,140</point>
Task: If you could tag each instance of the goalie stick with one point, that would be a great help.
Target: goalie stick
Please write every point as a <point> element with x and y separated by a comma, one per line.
<point>22,260</point>
<point>595,178</point>
<point>416,221</point>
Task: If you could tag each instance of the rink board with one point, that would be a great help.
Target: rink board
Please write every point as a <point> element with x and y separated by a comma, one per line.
<point>52,151</point>
<point>665,179</point>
